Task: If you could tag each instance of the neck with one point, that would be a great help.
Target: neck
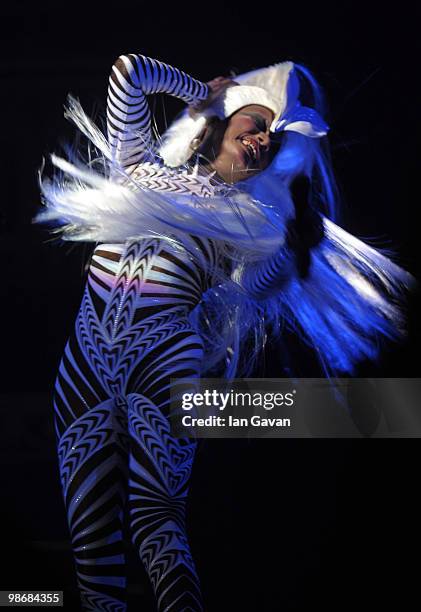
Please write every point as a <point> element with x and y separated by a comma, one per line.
<point>206,169</point>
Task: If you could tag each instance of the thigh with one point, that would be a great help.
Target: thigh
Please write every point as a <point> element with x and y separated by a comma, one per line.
<point>159,462</point>
<point>93,465</point>
<point>92,441</point>
<point>176,353</point>
<point>78,386</point>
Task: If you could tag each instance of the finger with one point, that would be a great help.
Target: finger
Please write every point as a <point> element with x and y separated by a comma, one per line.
<point>221,81</point>
<point>216,80</point>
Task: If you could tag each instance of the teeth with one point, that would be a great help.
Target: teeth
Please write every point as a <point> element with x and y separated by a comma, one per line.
<point>251,147</point>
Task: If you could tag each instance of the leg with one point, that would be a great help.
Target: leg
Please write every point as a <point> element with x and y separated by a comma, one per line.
<point>93,471</point>
<point>160,467</point>
<point>159,471</point>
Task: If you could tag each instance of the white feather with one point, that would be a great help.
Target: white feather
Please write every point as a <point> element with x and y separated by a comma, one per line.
<point>175,148</point>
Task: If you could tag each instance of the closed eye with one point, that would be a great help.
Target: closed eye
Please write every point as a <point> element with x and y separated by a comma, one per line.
<point>259,121</point>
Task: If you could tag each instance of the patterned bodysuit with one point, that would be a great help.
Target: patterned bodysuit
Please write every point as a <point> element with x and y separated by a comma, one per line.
<point>132,334</point>
<point>111,395</point>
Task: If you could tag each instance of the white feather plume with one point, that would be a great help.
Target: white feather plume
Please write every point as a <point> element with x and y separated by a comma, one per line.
<point>175,148</point>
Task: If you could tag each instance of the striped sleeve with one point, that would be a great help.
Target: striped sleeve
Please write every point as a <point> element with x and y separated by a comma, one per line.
<point>132,78</point>
<point>265,279</point>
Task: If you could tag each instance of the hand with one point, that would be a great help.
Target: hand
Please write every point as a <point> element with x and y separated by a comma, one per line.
<point>217,86</point>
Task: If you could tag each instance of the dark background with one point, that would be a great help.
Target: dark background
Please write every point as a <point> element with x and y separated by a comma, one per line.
<point>274,525</point>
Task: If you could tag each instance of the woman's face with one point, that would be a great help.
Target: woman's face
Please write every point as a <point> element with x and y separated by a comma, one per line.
<point>241,145</point>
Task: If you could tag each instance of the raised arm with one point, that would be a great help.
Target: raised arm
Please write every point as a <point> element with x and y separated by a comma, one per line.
<point>132,78</point>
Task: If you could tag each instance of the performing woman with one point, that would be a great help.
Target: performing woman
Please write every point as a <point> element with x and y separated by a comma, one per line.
<point>206,237</point>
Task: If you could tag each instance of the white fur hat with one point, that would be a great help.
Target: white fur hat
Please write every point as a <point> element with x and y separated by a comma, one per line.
<point>275,87</point>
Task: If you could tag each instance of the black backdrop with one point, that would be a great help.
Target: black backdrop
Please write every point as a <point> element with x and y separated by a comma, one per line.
<point>278,524</point>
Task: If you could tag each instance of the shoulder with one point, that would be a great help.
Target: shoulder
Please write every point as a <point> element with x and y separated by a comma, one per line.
<point>179,181</point>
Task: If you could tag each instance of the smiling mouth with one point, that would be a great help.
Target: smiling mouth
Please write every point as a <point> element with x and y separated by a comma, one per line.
<point>251,148</point>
